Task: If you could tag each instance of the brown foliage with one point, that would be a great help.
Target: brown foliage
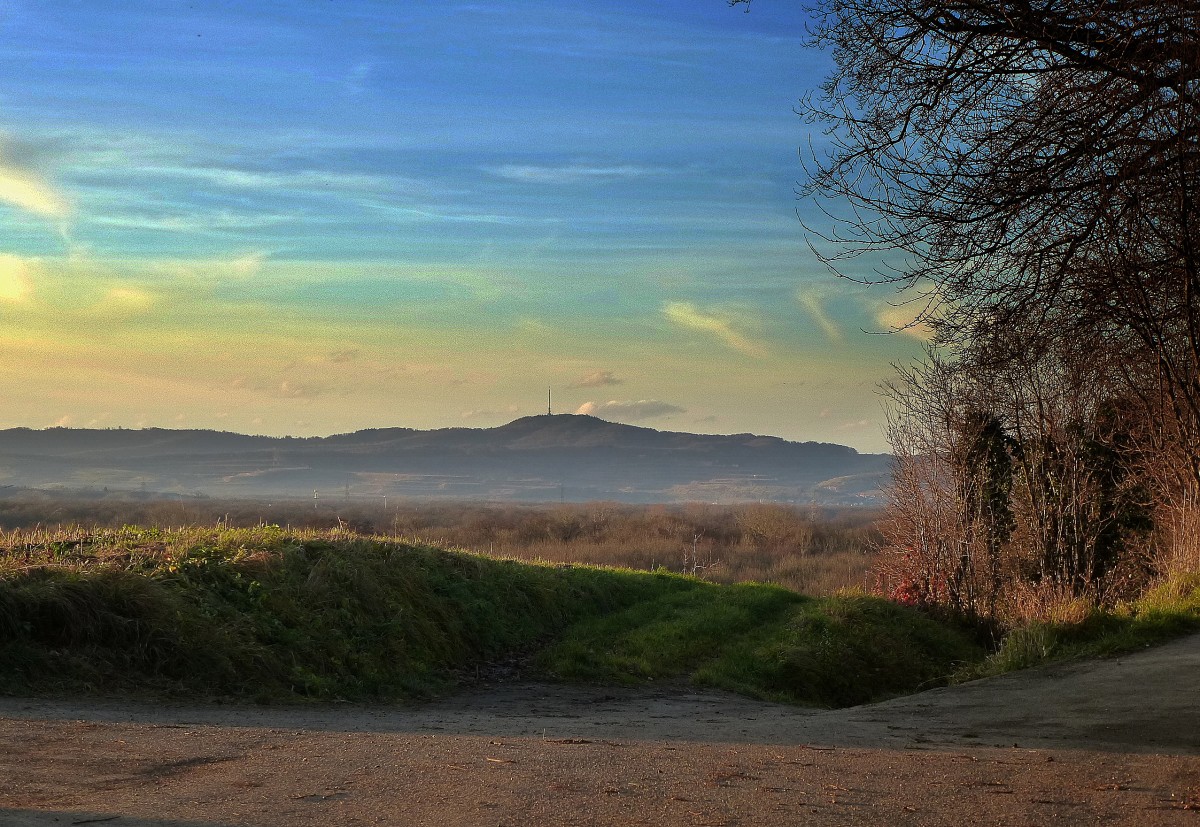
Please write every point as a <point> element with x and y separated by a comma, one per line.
<point>1012,485</point>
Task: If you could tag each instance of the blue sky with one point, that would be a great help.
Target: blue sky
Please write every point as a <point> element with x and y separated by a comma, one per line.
<point>314,217</point>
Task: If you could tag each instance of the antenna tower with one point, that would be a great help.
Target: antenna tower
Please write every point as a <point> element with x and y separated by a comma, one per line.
<point>548,411</point>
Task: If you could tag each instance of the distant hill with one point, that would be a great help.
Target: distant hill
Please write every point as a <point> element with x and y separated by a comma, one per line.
<point>535,458</point>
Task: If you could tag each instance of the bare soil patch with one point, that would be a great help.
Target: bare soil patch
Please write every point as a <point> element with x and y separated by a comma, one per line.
<point>1114,741</point>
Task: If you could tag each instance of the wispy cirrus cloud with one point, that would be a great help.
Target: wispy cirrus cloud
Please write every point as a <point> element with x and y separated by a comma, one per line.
<point>24,187</point>
<point>571,173</point>
<point>689,316</point>
<point>597,379</point>
<point>248,178</point>
<point>629,410</point>
<point>32,193</point>
<point>813,302</point>
<point>408,215</point>
<point>191,222</point>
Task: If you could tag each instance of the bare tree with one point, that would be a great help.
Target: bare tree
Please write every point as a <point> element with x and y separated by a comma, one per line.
<point>1029,170</point>
<point>1026,165</point>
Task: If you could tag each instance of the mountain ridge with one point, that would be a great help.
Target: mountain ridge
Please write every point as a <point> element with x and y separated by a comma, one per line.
<point>532,457</point>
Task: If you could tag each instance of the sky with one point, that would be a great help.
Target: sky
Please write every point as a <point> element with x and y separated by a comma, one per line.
<point>313,217</point>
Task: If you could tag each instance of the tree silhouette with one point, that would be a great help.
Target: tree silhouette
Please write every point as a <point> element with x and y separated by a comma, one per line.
<point>1027,166</point>
<point>1027,171</point>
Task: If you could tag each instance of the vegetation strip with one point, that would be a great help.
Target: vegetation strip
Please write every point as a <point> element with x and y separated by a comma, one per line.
<point>271,615</point>
<point>267,614</point>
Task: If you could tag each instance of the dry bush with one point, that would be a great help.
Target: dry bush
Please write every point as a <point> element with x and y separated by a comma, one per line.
<point>813,551</point>
<point>1177,537</point>
<point>1016,487</point>
<point>1027,602</point>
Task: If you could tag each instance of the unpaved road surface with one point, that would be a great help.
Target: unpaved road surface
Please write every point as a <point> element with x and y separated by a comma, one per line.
<point>1105,742</point>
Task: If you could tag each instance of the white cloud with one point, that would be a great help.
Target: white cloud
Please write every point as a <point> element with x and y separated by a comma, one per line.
<point>410,214</point>
<point>297,390</point>
<point>26,190</point>
<point>905,320</point>
<point>597,379</point>
<point>359,76</point>
<point>190,221</point>
<point>629,410</point>
<point>249,264</point>
<point>31,193</point>
<point>688,315</point>
<point>22,183</point>
<point>480,413</point>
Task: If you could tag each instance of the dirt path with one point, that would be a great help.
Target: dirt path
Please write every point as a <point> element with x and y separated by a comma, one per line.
<point>1114,741</point>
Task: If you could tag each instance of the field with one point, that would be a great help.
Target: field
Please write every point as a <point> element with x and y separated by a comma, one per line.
<point>809,549</point>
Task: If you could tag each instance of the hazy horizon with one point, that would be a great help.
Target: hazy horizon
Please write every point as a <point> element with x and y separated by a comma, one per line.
<point>403,427</point>
<point>538,458</point>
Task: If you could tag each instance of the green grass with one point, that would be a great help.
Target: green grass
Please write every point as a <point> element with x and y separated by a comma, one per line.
<point>1168,610</point>
<point>264,614</point>
<point>767,642</point>
<point>267,614</point>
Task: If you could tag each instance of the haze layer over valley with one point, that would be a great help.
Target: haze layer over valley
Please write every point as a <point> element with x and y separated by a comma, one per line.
<point>537,458</point>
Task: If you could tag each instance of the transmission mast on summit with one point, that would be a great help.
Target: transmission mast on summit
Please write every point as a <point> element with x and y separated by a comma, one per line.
<point>548,411</point>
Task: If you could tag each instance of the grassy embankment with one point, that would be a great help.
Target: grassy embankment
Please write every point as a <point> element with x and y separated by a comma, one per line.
<point>266,614</point>
<point>273,615</point>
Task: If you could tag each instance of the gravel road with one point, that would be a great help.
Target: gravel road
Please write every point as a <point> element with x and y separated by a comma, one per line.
<point>1114,741</point>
